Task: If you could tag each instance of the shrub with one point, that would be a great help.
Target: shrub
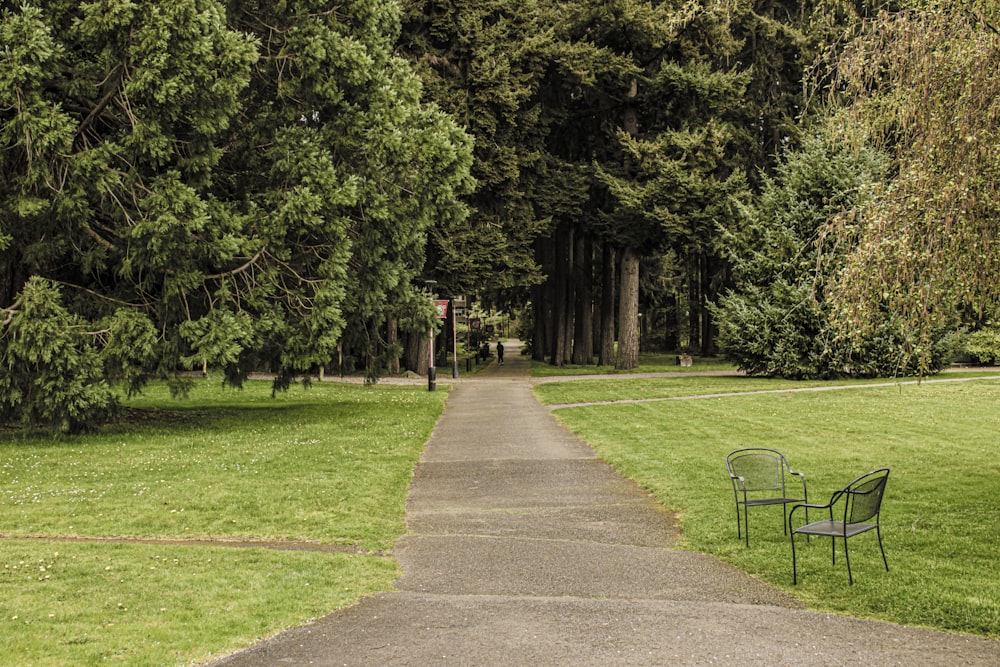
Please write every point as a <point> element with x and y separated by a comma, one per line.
<point>53,373</point>
<point>984,344</point>
<point>777,321</point>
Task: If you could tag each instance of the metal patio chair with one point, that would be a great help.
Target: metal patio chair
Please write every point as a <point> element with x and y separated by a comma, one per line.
<point>862,505</point>
<point>761,477</point>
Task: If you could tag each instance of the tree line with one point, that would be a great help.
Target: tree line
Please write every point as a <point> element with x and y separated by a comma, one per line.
<point>251,185</point>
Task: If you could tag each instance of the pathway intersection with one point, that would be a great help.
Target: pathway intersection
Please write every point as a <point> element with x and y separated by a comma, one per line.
<point>524,548</point>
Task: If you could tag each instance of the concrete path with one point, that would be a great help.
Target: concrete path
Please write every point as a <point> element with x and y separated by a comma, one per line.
<point>525,549</point>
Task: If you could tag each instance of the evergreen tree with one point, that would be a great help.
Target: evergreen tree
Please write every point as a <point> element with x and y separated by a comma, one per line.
<point>645,101</point>
<point>483,63</point>
<point>202,186</point>
<point>356,173</point>
<point>779,320</point>
<point>111,115</point>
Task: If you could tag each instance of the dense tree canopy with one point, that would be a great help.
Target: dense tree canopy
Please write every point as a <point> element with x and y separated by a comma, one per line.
<point>258,185</point>
<point>923,85</point>
<point>483,62</point>
<point>197,182</point>
<point>777,319</point>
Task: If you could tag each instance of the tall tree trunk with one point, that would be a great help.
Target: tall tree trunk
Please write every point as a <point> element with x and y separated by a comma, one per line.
<point>539,342</point>
<point>671,325</point>
<point>628,312</point>
<point>694,301</point>
<point>716,271</point>
<point>416,353</point>
<point>606,351</point>
<point>560,304</point>
<point>392,341</point>
<point>583,277</point>
<point>628,293</point>
<point>541,299</point>
<point>569,298</point>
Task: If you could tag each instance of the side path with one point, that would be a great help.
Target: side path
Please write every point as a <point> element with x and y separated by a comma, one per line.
<point>524,548</point>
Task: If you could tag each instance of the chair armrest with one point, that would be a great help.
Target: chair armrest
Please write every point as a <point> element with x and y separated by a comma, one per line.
<point>812,506</point>
<point>809,506</point>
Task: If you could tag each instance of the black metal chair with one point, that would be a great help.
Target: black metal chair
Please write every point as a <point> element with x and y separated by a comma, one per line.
<point>862,503</point>
<point>760,476</point>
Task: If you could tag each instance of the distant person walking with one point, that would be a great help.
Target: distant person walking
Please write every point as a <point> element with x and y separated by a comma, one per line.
<point>500,353</point>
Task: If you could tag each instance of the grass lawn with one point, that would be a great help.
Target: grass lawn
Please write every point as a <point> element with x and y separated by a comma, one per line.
<point>649,362</point>
<point>939,518</point>
<point>326,469</point>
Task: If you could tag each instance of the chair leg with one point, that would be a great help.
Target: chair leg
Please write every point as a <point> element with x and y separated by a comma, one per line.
<point>878,531</point>
<point>746,524</point>
<point>795,579</point>
<point>847,557</point>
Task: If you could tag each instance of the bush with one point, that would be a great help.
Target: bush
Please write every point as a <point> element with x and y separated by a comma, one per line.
<point>53,373</point>
<point>984,344</point>
<point>777,321</point>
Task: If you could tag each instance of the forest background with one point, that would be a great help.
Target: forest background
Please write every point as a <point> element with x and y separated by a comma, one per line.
<point>809,187</point>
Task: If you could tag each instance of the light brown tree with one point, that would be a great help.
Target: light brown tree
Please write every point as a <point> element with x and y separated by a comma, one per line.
<point>923,86</point>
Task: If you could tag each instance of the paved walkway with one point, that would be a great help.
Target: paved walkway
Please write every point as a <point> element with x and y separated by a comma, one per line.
<point>525,549</point>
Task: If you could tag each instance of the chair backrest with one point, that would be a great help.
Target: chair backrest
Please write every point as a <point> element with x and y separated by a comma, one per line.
<point>864,496</point>
<point>761,469</point>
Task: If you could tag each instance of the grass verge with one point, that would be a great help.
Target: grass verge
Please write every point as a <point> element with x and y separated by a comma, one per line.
<point>330,465</point>
<point>941,538</point>
<point>649,362</point>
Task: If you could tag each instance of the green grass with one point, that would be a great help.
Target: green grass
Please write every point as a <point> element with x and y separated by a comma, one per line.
<point>619,387</point>
<point>613,389</point>
<point>330,465</point>
<point>648,363</point>
<point>939,518</point>
<point>90,604</point>
<point>329,468</point>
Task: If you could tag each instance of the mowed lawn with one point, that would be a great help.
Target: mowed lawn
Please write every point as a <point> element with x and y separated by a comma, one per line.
<point>940,440</point>
<point>322,472</point>
<point>206,491</point>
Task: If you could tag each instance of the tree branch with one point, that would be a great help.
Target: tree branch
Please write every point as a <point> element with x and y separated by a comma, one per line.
<point>253,260</point>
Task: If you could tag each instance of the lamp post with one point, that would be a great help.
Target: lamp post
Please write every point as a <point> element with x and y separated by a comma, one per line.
<point>431,371</point>
<point>454,340</point>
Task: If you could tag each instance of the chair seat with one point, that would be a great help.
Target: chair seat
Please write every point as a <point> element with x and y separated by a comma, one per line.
<point>834,528</point>
<point>772,501</point>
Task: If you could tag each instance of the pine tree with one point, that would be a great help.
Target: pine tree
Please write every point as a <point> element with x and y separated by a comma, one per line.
<point>110,119</point>
<point>199,183</point>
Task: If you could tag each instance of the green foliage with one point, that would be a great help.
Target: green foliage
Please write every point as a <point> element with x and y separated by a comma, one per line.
<point>109,127</point>
<point>483,63</point>
<point>128,346</point>
<point>358,172</point>
<point>777,321</point>
<point>983,344</point>
<point>52,374</point>
<point>922,84</point>
<point>246,181</point>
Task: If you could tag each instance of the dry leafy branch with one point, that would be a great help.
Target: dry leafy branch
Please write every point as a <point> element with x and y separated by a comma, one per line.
<point>924,86</point>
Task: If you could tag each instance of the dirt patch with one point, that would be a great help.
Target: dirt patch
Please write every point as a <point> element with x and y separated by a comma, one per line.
<point>278,545</point>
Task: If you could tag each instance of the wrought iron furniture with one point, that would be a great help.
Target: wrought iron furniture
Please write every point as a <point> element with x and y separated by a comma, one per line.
<point>761,477</point>
<point>861,503</point>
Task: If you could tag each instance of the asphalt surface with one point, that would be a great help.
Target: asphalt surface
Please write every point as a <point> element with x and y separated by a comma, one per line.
<point>524,548</point>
